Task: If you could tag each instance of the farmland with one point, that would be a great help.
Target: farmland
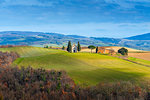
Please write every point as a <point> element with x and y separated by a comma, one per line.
<point>144,55</point>
<point>83,68</point>
<point>115,48</point>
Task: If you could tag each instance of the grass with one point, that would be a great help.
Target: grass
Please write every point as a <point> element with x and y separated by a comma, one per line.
<point>145,62</point>
<point>84,68</point>
<point>29,51</point>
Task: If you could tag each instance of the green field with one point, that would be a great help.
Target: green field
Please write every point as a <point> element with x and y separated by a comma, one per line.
<point>84,68</point>
<point>145,62</point>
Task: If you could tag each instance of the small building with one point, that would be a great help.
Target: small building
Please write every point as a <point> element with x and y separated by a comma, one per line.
<point>74,48</point>
<point>106,50</point>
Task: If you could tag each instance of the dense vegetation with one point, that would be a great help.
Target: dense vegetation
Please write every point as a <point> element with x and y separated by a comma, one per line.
<point>7,58</point>
<point>40,84</point>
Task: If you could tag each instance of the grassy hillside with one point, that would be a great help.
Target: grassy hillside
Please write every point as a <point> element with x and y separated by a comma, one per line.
<point>145,62</point>
<point>82,67</point>
<point>116,48</point>
<point>30,51</point>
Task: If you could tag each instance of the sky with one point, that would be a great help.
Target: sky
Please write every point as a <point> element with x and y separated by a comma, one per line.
<point>98,18</point>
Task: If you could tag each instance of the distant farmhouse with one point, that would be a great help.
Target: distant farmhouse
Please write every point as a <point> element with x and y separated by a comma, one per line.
<point>106,50</point>
<point>74,48</point>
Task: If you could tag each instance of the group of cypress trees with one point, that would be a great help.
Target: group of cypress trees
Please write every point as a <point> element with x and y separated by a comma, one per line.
<point>69,47</point>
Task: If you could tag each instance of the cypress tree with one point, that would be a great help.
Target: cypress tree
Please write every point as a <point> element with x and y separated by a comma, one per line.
<point>63,48</point>
<point>69,48</point>
<point>79,46</point>
<point>96,49</point>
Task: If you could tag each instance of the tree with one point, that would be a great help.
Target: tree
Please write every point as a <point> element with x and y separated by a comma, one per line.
<point>96,49</point>
<point>46,46</point>
<point>91,47</point>
<point>69,48</point>
<point>123,51</point>
<point>79,46</point>
<point>63,48</point>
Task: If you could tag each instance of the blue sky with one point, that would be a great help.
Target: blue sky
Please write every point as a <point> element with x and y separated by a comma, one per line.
<point>101,18</point>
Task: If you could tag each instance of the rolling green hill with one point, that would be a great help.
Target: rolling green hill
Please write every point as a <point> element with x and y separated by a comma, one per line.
<point>82,67</point>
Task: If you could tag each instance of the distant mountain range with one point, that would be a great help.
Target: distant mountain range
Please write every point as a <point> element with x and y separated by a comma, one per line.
<point>141,42</point>
<point>140,37</point>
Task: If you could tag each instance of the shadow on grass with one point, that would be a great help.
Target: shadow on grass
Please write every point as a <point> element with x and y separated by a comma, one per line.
<point>105,75</point>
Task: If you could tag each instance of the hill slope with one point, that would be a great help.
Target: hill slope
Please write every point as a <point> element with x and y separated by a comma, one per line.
<point>82,67</point>
<point>140,37</point>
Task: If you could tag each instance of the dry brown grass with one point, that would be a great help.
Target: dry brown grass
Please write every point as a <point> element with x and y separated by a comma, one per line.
<point>85,49</point>
<point>129,49</point>
<point>145,56</point>
<point>88,50</point>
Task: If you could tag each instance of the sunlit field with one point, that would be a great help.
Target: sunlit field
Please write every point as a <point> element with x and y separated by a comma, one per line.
<point>84,68</point>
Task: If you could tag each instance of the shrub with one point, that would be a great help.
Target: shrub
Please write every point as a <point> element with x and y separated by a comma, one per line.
<point>7,58</point>
<point>123,51</point>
